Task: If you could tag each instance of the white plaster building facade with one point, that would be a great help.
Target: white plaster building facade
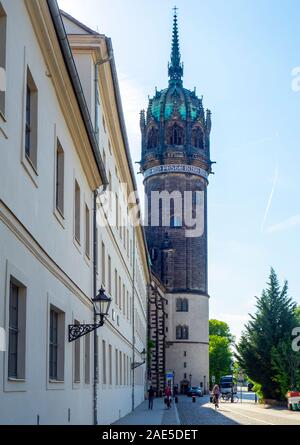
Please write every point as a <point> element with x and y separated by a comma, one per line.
<point>50,166</point>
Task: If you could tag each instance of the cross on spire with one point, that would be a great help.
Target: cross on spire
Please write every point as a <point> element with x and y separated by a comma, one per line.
<point>175,67</point>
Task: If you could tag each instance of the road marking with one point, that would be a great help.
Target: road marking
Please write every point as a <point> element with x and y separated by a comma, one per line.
<point>249,417</point>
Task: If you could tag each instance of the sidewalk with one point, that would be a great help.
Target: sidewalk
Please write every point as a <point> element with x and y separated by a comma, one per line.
<point>159,415</point>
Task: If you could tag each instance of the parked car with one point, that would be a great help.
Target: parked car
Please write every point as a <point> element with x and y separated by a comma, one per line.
<point>250,386</point>
<point>195,391</point>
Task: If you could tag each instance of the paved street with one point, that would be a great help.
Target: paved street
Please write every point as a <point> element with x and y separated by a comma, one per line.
<point>246,413</point>
<point>159,415</point>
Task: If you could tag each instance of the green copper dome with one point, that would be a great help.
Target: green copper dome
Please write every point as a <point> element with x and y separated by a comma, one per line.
<point>175,100</point>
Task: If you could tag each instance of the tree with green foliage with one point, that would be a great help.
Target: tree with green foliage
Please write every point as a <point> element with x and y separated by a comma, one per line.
<point>264,350</point>
<point>220,355</point>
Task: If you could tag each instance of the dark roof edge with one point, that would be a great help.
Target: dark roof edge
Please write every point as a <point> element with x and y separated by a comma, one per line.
<point>71,67</point>
<point>123,127</point>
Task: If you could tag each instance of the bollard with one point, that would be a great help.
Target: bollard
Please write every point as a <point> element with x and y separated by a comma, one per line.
<point>176,399</point>
<point>194,399</point>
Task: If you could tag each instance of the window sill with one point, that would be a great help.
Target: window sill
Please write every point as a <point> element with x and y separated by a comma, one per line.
<point>77,244</point>
<point>15,380</point>
<point>87,259</point>
<point>59,216</point>
<point>31,171</point>
<point>56,381</point>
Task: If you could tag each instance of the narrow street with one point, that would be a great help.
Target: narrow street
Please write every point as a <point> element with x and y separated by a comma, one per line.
<point>246,413</point>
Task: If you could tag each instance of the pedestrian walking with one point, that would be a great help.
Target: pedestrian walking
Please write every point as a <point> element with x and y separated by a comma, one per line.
<point>216,395</point>
<point>168,394</point>
<point>150,397</point>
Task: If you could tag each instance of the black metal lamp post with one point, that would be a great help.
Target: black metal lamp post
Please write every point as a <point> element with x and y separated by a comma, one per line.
<point>101,304</point>
<point>137,364</point>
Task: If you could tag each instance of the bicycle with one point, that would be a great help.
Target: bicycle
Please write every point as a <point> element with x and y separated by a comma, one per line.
<point>226,397</point>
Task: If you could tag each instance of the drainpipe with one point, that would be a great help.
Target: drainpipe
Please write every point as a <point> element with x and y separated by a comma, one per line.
<point>96,368</point>
<point>133,324</point>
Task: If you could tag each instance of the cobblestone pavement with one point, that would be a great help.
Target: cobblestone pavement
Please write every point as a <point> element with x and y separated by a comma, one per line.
<point>200,413</point>
<point>247,413</point>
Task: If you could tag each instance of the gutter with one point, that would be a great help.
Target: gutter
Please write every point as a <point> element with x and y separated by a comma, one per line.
<point>71,67</point>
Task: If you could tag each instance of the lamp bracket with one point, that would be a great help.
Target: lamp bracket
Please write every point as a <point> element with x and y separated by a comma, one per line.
<point>137,364</point>
<point>79,330</point>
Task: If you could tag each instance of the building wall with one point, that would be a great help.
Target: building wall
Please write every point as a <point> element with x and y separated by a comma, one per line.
<point>37,245</point>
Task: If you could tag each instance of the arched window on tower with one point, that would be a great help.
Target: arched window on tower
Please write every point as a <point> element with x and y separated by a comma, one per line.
<point>152,140</point>
<point>197,138</point>
<point>178,332</point>
<point>185,332</point>
<point>182,305</point>
<point>175,135</point>
<point>178,304</point>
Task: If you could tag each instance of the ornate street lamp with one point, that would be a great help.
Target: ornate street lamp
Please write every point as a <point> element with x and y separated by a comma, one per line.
<point>137,364</point>
<point>101,304</point>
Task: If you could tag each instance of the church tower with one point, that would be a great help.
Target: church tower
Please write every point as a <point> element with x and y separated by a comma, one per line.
<point>175,163</point>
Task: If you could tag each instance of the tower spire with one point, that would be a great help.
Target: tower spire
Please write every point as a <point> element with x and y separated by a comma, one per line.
<point>175,67</point>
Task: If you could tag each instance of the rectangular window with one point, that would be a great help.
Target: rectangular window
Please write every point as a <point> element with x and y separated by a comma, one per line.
<point>2,59</point>
<point>120,367</point>
<point>109,275</point>
<point>128,371</point>
<point>109,190</point>
<point>56,344</point>
<point>103,263</point>
<point>77,358</point>
<point>53,345</point>
<point>110,363</point>
<point>127,239</point>
<point>17,331</point>
<point>87,232</point>
<point>13,331</point>
<point>117,212</point>
<point>131,253</point>
<point>120,293</point>
<point>116,286</point>
<point>87,359</point>
<point>117,368</point>
<point>103,362</point>
<point>124,295</point>
<point>31,114</point>
<point>124,372</point>
<point>127,304</point>
<point>77,212</point>
<point>60,171</point>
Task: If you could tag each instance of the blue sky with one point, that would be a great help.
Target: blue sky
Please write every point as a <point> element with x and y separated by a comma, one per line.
<point>240,55</point>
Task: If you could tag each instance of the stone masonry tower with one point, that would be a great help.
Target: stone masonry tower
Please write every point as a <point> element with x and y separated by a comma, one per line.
<point>176,160</point>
